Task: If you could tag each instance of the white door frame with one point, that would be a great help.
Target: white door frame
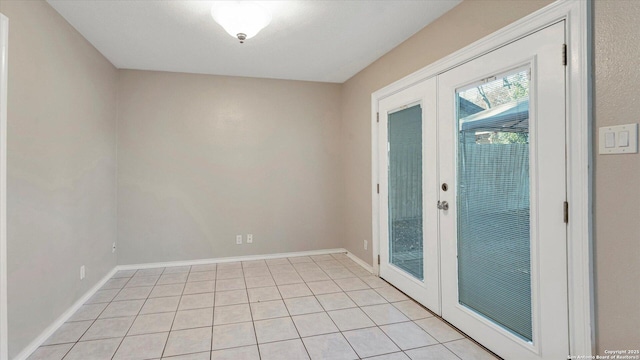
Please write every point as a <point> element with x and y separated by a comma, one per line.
<point>4,48</point>
<point>577,14</point>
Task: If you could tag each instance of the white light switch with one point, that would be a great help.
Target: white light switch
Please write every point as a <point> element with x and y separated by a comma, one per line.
<point>609,140</point>
<point>621,139</point>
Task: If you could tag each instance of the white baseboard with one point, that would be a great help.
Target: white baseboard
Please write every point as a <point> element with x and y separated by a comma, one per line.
<point>230,259</point>
<point>360,262</point>
<point>27,351</point>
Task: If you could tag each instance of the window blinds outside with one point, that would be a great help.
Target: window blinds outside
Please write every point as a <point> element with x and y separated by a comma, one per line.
<point>494,270</point>
<point>405,190</point>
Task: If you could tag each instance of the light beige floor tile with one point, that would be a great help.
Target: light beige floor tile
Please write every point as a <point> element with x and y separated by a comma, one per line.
<point>303,305</point>
<point>230,265</point>
<point>152,323</point>
<point>118,283</point>
<point>439,329</point>
<point>314,324</point>
<point>329,264</point>
<point>350,319</point>
<point>259,281</point>
<point>279,269</point>
<point>94,350</point>
<point>370,342</point>
<point>317,258</point>
<point>268,310</point>
<point>329,347</point>
<point>323,287</point>
<point>103,296</point>
<point>231,314</point>
<point>188,319</point>
<point>233,335</point>
<point>264,294</point>
<point>143,281</point>
<point>188,341</point>
<point>176,270</point>
<point>275,330</point>
<point>366,297</point>
<point>196,301</point>
<point>173,278</point>
<point>230,284</point>
<point>229,274</point>
<point>336,301</point>
<point>158,305</point>
<point>134,293</point>
<point>300,259</point>
<point>408,335</point>
<point>197,356</point>
<point>142,347</point>
<point>88,312</point>
<point>290,350</point>
<point>167,290</point>
<point>108,328</point>
<point>435,352</point>
<point>412,310</point>
<point>306,266</point>
<point>391,294</point>
<point>253,272</point>
<point>204,267</point>
<point>253,263</point>
<point>468,350</point>
<point>287,278</point>
<point>339,273</point>
<point>350,284</point>
<point>280,261</point>
<point>294,290</point>
<point>124,274</point>
<point>199,287</point>
<point>241,353</point>
<point>68,332</point>
<point>201,276</point>
<point>384,314</point>
<point>313,275</point>
<point>374,281</point>
<point>392,356</point>
<point>232,297</point>
<point>149,272</point>
<point>52,352</point>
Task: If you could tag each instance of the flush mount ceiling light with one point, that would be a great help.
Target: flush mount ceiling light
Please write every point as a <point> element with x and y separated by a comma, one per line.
<point>241,19</point>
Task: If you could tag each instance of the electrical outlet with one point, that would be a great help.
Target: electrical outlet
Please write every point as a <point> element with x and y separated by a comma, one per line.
<point>238,239</point>
<point>113,249</point>
<point>249,238</point>
<point>366,244</point>
<point>82,272</point>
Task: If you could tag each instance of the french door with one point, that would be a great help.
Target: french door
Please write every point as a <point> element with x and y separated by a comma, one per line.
<point>487,250</point>
<point>407,152</point>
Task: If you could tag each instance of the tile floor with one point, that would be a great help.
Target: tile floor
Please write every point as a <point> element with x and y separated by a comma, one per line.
<point>317,307</point>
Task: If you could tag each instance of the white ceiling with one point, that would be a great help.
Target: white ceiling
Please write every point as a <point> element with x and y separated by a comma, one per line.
<point>327,41</point>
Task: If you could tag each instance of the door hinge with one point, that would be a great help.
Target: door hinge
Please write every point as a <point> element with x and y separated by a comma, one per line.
<point>377,117</point>
<point>564,54</point>
<point>378,188</point>
<point>378,259</point>
<point>566,212</point>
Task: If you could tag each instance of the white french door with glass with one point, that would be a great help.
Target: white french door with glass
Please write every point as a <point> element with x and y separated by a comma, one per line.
<point>472,192</point>
<point>407,151</point>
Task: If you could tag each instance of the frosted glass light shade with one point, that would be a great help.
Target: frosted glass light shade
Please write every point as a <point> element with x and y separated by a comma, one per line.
<point>240,17</point>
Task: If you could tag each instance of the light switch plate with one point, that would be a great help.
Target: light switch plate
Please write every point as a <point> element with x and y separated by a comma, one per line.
<point>627,133</point>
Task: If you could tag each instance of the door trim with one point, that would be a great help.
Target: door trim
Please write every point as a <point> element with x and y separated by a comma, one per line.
<point>577,15</point>
<point>4,48</point>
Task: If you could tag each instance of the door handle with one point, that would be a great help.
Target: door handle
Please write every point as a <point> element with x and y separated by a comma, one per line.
<point>443,205</point>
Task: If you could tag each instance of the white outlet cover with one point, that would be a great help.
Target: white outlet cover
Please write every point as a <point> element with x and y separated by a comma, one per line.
<point>628,132</point>
<point>238,239</point>
<point>249,238</point>
<point>366,244</point>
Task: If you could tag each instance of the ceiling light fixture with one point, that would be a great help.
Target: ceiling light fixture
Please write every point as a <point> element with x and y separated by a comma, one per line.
<point>241,19</point>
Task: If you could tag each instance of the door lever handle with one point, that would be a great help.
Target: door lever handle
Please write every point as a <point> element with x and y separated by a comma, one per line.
<point>443,205</point>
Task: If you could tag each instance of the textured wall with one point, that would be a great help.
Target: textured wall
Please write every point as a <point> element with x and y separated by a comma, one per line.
<point>203,158</point>
<point>616,183</point>
<point>61,167</point>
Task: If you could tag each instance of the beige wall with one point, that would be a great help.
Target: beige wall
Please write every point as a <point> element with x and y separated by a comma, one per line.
<point>61,167</point>
<point>617,177</point>
<point>203,158</point>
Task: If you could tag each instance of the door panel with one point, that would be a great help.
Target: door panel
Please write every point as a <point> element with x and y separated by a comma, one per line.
<point>502,143</point>
<point>409,229</point>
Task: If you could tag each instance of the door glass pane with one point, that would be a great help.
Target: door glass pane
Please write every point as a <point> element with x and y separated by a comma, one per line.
<point>494,271</point>
<point>405,190</point>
